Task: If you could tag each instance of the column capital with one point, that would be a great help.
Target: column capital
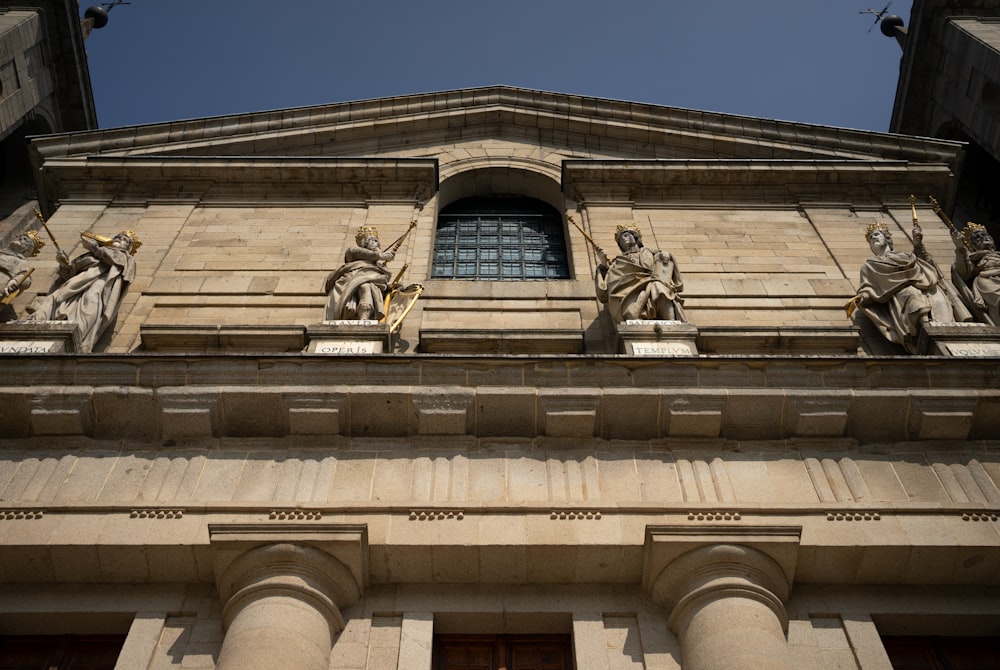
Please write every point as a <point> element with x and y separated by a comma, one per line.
<point>283,587</point>
<point>327,562</point>
<point>685,563</point>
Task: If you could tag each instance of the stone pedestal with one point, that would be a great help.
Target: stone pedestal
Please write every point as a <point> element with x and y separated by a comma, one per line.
<point>349,338</point>
<point>38,337</point>
<point>657,338</point>
<point>959,339</point>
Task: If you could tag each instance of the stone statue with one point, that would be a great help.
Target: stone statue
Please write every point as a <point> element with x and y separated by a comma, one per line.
<point>91,286</point>
<point>640,283</point>
<point>14,269</point>
<point>901,291</point>
<point>976,272</point>
<point>357,288</point>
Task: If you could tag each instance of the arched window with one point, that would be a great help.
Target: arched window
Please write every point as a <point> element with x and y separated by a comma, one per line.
<point>500,238</point>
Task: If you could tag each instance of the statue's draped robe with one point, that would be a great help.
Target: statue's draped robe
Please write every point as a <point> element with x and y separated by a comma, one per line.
<point>358,281</point>
<point>900,289</point>
<point>983,296</point>
<point>91,295</point>
<point>635,282</point>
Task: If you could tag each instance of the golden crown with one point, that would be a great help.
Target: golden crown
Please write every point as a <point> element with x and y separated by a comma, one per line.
<point>631,227</point>
<point>134,237</point>
<point>970,228</point>
<point>878,225</point>
<point>365,231</point>
<point>36,240</point>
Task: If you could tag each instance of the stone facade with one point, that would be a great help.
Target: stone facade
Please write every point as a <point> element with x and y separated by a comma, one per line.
<point>784,493</point>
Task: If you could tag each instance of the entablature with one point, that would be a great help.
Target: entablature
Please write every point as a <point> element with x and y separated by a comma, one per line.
<point>164,397</point>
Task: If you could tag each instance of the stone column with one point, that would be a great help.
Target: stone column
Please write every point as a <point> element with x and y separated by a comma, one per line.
<point>727,608</point>
<point>282,608</point>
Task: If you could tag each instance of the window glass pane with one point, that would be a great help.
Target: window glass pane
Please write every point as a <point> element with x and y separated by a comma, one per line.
<point>480,232</point>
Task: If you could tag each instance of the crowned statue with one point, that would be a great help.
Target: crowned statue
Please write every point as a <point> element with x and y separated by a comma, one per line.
<point>357,289</point>
<point>901,291</point>
<point>639,283</point>
<point>976,272</point>
<point>91,287</point>
<point>15,273</point>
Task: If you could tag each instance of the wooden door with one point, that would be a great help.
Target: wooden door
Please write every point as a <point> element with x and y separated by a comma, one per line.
<point>502,652</point>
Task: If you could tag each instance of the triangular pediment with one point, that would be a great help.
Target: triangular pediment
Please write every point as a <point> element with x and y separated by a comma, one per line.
<point>547,129</point>
<point>580,126</point>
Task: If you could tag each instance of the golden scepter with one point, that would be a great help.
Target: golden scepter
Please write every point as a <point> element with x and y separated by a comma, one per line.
<point>52,237</point>
<point>399,240</point>
<point>587,237</point>
<point>918,245</point>
<point>394,286</point>
<point>6,300</point>
<point>940,212</point>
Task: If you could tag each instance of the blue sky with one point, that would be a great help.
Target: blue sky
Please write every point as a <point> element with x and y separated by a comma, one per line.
<point>810,61</point>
